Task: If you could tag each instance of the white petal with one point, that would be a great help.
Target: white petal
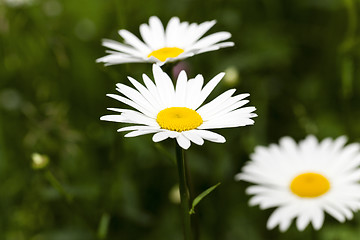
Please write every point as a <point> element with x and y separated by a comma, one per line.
<point>160,136</point>
<point>164,85</point>
<point>193,91</point>
<point>354,176</point>
<point>112,118</point>
<point>215,47</point>
<point>183,141</point>
<point>228,107</point>
<point>131,104</point>
<point>132,40</point>
<point>157,31</point>
<point>132,128</point>
<point>281,214</point>
<point>210,136</point>
<point>146,35</point>
<point>139,118</point>
<point>317,218</point>
<point>303,220</point>
<point>118,59</point>
<point>153,90</point>
<point>178,38</point>
<point>181,87</point>
<point>201,30</point>
<point>137,97</point>
<point>203,110</point>
<point>285,224</point>
<point>228,121</point>
<point>121,110</point>
<point>211,39</point>
<point>288,145</point>
<point>193,136</point>
<point>334,212</point>
<point>121,47</point>
<point>146,94</point>
<point>171,31</point>
<point>139,133</point>
<point>209,87</point>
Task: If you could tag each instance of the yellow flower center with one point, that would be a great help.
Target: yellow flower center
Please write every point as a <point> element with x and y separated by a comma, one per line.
<point>310,185</point>
<point>178,119</point>
<point>167,52</point>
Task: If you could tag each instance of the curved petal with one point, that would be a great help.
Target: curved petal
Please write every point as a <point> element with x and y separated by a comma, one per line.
<point>192,136</point>
<point>160,136</point>
<point>112,118</point>
<point>211,136</point>
<point>183,141</point>
<point>132,40</point>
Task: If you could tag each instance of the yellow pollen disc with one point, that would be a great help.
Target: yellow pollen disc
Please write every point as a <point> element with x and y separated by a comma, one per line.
<point>167,52</point>
<point>178,119</point>
<point>310,185</point>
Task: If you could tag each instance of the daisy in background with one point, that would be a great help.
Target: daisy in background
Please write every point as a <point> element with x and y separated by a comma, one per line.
<point>305,180</point>
<point>178,41</point>
<point>169,111</point>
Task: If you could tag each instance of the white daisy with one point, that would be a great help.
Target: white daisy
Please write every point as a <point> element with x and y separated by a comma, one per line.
<point>178,41</point>
<point>174,111</point>
<point>305,180</point>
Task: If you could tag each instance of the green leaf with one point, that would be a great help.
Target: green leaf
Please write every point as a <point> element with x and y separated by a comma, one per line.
<point>200,197</point>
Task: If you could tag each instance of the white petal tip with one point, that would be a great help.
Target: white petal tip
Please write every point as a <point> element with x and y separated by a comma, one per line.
<point>156,67</point>
<point>220,75</point>
<point>112,118</point>
<point>238,177</point>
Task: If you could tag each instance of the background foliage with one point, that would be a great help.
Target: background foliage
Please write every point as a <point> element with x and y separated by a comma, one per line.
<point>299,60</point>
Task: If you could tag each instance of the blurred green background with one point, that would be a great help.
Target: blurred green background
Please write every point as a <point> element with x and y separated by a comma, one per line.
<point>299,60</point>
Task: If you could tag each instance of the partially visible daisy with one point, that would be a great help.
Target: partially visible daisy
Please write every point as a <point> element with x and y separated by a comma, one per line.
<point>305,180</point>
<point>178,41</point>
<point>171,111</point>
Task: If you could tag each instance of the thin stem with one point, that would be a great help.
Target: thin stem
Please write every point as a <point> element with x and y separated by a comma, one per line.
<point>350,35</point>
<point>57,185</point>
<point>346,48</point>
<point>314,234</point>
<point>2,146</point>
<point>184,192</point>
<point>103,226</point>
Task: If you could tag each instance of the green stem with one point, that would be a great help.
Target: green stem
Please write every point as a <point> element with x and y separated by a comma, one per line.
<point>184,192</point>
<point>103,226</point>
<point>314,234</point>
<point>350,36</point>
<point>2,147</point>
<point>347,68</point>
<point>57,185</point>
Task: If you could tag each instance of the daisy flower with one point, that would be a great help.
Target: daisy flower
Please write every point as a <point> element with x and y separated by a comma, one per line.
<point>171,111</point>
<point>178,41</point>
<point>305,180</point>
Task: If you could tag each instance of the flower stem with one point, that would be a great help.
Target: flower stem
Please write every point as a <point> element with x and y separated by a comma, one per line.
<point>57,185</point>
<point>314,234</point>
<point>184,193</point>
